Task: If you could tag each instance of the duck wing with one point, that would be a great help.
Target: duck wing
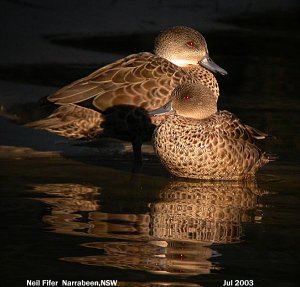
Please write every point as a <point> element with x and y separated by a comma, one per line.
<point>234,129</point>
<point>257,134</point>
<point>71,121</point>
<point>240,140</point>
<point>143,80</point>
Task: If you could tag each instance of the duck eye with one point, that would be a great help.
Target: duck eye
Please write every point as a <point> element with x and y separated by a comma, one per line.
<point>191,44</point>
<point>187,97</point>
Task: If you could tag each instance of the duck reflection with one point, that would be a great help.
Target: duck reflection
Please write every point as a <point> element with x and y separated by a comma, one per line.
<point>204,211</point>
<point>68,201</point>
<point>176,234</point>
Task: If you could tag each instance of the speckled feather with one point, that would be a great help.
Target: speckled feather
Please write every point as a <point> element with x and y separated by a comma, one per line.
<point>72,121</point>
<point>218,147</point>
<point>141,81</point>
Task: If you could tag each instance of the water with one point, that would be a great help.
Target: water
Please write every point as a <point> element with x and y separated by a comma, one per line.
<point>64,219</point>
<point>79,217</point>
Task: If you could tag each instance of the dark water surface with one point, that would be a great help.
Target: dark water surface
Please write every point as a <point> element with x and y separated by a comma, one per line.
<point>91,219</point>
<point>63,219</point>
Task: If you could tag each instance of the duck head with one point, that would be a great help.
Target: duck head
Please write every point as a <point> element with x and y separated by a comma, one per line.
<point>185,46</point>
<point>190,101</point>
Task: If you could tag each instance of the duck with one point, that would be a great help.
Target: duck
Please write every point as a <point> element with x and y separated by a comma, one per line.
<point>198,141</point>
<point>113,101</point>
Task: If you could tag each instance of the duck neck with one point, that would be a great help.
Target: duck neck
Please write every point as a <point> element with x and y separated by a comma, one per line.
<point>177,120</point>
<point>196,73</point>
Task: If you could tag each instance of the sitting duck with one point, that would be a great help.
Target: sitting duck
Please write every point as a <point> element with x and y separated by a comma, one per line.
<point>198,141</point>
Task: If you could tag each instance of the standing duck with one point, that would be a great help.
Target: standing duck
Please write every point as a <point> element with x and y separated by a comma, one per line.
<point>113,100</point>
<point>198,141</point>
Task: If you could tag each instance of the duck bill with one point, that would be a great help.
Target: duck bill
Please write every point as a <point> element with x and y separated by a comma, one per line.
<point>209,64</point>
<point>164,110</point>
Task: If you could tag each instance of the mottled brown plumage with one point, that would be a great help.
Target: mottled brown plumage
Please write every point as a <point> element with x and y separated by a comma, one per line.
<point>113,100</point>
<point>71,121</point>
<point>197,141</point>
<point>144,81</point>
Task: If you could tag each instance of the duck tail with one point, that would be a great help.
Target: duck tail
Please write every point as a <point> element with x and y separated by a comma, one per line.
<point>255,133</point>
<point>22,113</point>
<point>259,135</point>
<point>5,114</point>
<point>271,157</point>
<point>71,121</point>
<point>264,159</point>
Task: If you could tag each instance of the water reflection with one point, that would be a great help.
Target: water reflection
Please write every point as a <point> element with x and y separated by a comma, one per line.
<point>67,201</point>
<point>204,211</point>
<point>177,234</point>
